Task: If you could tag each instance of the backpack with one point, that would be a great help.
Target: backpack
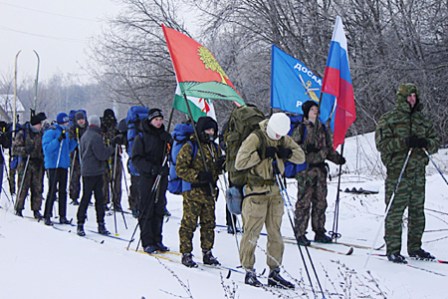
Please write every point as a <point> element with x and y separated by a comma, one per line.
<point>292,169</point>
<point>242,121</point>
<point>133,119</point>
<point>181,135</point>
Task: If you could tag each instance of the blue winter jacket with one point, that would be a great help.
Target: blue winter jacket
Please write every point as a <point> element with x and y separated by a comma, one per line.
<point>51,146</point>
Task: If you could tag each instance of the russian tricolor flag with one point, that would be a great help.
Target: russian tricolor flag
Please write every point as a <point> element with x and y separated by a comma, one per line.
<point>338,82</point>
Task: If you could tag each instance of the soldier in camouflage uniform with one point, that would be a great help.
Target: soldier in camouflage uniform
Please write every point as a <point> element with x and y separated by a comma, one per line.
<point>398,132</point>
<point>263,203</point>
<point>316,141</point>
<point>113,175</point>
<point>75,132</point>
<point>200,196</point>
<point>28,145</point>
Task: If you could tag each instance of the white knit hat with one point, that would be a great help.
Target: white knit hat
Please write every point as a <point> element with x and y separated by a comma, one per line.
<point>278,126</point>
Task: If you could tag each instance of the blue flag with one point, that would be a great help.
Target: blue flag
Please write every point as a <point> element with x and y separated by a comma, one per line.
<point>292,84</point>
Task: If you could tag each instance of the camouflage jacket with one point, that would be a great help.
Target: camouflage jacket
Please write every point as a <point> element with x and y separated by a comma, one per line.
<point>316,135</point>
<point>188,168</point>
<point>248,158</point>
<point>399,124</point>
<point>26,138</point>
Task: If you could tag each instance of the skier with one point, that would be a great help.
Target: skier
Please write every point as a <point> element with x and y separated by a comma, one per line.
<point>112,177</point>
<point>94,154</point>
<point>399,132</point>
<point>5,142</point>
<point>316,142</point>
<point>76,131</point>
<point>148,154</point>
<point>263,203</point>
<point>57,147</point>
<point>28,145</point>
<point>200,196</point>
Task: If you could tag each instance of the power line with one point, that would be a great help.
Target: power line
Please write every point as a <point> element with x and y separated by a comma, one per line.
<point>42,35</point>
<point>48,12</point>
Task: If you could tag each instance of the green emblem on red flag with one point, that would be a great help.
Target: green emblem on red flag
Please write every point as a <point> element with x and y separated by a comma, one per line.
<point>198,73</point>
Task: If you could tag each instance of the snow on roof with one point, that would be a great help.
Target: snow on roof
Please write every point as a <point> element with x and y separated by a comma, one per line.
<point>6,102</point>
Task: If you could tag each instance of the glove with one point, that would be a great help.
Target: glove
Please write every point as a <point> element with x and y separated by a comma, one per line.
<point>117,140</point>
<point>164,170</point>
<point>422,142</point>
<point>166,137</point>
<point>62,136</point>
<point>311,148</point>
<point>341,161</point>
<point>412,141</point>
<point>205,176</point>
<point>284,152</point>
<point>220,163</point>
<point>269,152</point>
<point>29,149</point>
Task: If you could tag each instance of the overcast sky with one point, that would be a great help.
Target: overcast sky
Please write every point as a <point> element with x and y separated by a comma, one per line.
<point>59,30</point>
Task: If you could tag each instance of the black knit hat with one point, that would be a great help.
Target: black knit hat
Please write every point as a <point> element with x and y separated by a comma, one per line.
<point>306,107</point>
<point>80,115</point>
<point>153,113</point>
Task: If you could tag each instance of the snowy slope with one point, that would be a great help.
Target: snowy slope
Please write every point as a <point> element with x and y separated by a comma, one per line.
<point>41,262</point>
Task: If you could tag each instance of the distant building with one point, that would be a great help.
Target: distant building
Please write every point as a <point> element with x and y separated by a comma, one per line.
<point>6,105</point>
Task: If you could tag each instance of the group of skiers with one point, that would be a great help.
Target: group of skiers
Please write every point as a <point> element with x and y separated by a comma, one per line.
<point>92,150</point>
<point>66,144</point>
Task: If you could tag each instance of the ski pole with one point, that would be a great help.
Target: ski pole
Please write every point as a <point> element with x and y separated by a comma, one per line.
<point>400,177</point>
<point>4,165</point>
<point>23,180</point>
<point>53,183</point>
<point>114,176</point>
<point>334,233</point>
<point>72,166</point>
<point>287,202</point>
<point>435,165</point>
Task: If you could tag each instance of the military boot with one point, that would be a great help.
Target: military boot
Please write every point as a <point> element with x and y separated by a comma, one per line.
<point>251,279</point>
<point>275,280</point>
<point>209,259</point>
<point>187,260</point>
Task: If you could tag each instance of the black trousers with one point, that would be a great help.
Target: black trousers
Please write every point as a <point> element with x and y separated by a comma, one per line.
<point>91,184</point>
<point>57,179</point>
<point>152,210</point>
<point>229,217</point>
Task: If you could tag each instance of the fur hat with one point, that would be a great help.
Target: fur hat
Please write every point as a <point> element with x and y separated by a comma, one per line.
<point>205,123</point>
<point>306,107</point>
<point>38,118</point>
<point>153,113</point>
<point>278,126</point>
<point>62,118</point>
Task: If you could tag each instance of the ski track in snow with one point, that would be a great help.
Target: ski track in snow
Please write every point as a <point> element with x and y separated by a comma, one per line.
<point>37,261</point>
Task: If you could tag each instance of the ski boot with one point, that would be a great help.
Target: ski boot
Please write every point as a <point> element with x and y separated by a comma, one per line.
<point>303,241</point>
<point>275,280</point>
<point>396,258</point>
<point>80,230</point>
<point>251,279</point>
<point>37,215</point>
<point>161,247</point>
<point>209,259</point>
<point>64,220</point>
<point>187,260</point>
<point>321,237</point>
<point>421,255</point>
<point>102,229</point>
<point>151,249</point>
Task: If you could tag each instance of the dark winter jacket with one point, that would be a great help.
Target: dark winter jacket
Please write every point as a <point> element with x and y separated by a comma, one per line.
<point>149,149</point>
<point>28,139</point>
<point>94,153</point>
<point>55,155</point>
<point>396,126</point>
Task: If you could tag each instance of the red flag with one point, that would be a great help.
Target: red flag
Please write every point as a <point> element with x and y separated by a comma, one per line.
<point>198,73</point>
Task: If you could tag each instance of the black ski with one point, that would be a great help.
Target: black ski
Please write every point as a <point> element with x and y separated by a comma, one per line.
<point>85,237</point>
<point>112,236</point>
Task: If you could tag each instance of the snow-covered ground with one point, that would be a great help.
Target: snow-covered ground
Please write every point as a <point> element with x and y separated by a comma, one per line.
<point>37,261</point>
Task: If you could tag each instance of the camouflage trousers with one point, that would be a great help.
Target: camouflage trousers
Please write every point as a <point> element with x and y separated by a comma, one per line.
<point>192,211</point>
<point>75,178</point>
<point>12,180</point>
<point>257,211</point>
<point>311,195</point>
<point>33,180</point>
<point>112,183</point>
<point>410,194</point>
